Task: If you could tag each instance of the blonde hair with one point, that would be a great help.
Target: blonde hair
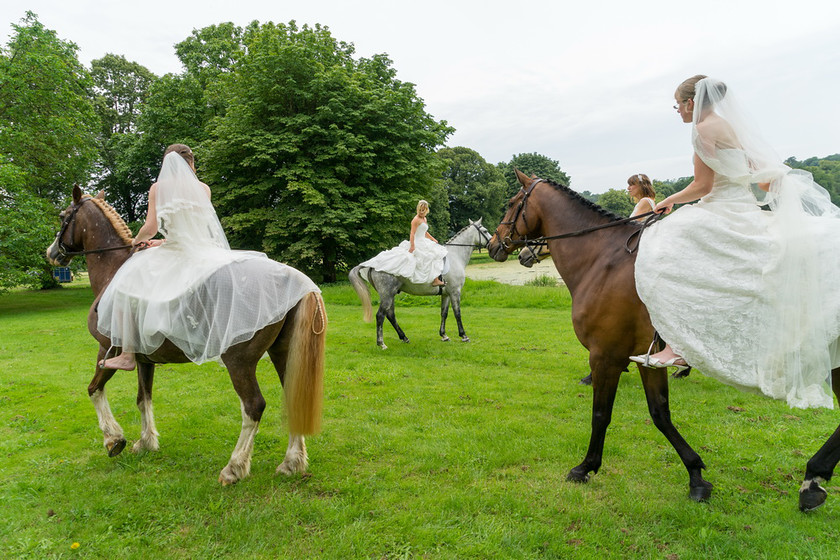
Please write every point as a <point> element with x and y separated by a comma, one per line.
<point>422,208</point>
<point>644,183</point>
<point>182,150</point>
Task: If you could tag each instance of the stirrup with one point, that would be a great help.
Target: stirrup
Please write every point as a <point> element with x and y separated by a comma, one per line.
<point>101,362</point>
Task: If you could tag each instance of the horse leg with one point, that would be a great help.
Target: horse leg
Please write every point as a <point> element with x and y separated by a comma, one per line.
<point>114,440</point>
<point>605,383</point>
<point>148,435</point>
<point>444,311</point>
<point>456,310</point>
<point>253,404</point>
<point>386,309</point>
<point>821,466</point>
<point>655,383</point>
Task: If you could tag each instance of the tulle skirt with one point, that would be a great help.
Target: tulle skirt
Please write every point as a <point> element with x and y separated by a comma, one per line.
<point>203,301</point>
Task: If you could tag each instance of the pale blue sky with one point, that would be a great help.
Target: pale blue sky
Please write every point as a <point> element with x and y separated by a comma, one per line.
<point>590,85</point>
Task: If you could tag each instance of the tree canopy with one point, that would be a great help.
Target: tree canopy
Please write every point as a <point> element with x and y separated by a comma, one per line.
<point>474,188</point>
<point>317,154</point>
<point>532,163</point>
<point>47,121</point>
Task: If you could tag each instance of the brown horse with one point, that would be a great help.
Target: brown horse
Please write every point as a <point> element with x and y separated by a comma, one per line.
<point>295,345</point>
<point>592,250</point>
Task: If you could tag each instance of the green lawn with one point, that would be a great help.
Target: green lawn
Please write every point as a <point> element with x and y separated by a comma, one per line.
<point>429,450</point>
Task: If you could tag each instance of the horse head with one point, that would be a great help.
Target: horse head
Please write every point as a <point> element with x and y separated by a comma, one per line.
<point>518,223</point>
<point>69,240</point>
<point>483,235</point>
<point>91,226</point>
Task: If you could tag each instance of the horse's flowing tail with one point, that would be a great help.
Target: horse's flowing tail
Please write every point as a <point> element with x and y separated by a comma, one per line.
<point>362,290</point>
<point>304,377</point>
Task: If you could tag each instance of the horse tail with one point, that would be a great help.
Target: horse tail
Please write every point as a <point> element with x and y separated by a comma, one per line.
<point>362,290</point>
<point>303,382</point>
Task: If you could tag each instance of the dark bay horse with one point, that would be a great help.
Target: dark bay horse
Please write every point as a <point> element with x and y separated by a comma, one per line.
<point>460,247</point>
<point>612,322</point>
<point>295,345</point>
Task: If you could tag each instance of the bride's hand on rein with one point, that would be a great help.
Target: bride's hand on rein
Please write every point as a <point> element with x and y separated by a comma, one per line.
<point>664,207</point>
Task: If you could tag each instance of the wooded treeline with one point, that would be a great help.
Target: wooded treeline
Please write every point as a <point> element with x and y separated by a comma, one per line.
<point>315,156</point>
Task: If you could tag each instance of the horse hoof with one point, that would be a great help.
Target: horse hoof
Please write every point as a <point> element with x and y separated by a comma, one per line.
<point>406,340</point>
<point>586,380</point>
<point>680,373</point>
<point>116,448</point>
<point>382,346</point>
<point>444,338</point>
<point>811,497</point>
<point>577,477</point>
<point>700,493</point>
<point>465,339</point>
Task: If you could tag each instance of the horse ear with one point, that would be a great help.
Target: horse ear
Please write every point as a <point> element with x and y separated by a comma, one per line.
<point>100,195</point>
<point>522,177</point>
<point>77,194</point>
<point>478,222</point>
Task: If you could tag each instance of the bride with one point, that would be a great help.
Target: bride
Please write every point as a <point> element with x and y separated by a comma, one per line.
<point>419,259</point>
<point>742,284</point>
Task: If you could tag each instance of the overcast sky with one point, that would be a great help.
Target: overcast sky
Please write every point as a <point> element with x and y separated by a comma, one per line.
<point>590,85</point>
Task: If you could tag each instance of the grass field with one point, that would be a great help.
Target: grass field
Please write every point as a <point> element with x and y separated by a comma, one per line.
<point>429,450</point>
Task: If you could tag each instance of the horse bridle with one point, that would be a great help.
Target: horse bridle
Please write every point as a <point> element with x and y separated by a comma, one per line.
<point>65,224</point>
<point>485,237</point>
<point>520,209</point>
<point>507,241</point>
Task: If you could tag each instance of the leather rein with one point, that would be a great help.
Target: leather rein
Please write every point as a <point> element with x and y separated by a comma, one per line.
<point>649,219</point>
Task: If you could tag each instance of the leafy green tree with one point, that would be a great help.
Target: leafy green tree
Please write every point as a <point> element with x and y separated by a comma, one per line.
<point>47,122</point>
<point>174,111</point>
<point>617,201</point>
<point>667,188</point>
<point>121,87</point>
<point>319,159</point>
<point>475,188</point>
<point>826,172</point>
<point>27,226</point>
<point>590,196</point>
<point>532,163</point>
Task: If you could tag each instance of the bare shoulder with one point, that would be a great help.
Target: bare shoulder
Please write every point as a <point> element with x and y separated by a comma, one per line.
<point>207,190</point>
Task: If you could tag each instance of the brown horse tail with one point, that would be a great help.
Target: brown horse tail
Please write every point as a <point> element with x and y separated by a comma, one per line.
<point>362,290</point>
<point>304,378</point>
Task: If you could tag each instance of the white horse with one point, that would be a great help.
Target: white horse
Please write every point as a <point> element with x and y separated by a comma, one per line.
<point>460,247</point>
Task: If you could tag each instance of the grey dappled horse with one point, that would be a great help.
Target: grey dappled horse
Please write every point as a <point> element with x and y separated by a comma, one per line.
<point>460,248</point>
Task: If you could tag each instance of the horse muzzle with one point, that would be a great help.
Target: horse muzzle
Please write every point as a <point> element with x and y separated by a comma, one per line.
<point>497,250</point>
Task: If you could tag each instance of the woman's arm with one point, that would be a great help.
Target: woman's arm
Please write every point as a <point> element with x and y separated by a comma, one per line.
<point>414,224</point>
<point>702,184</point>
<point>429,236</point>
<point>150,227</point>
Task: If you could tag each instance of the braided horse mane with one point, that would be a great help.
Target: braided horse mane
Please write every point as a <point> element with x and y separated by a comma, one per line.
<point>584,201</point>
<point>116,220</point>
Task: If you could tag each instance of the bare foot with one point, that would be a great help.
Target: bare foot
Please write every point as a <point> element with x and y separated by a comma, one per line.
<point>438,282</point>
<point>124,361</point>
<point>667,355</point>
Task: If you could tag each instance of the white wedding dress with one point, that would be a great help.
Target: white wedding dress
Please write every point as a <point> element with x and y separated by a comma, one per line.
<point>420,267</point>
<point>749,296</point>
<point>193,289</point>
